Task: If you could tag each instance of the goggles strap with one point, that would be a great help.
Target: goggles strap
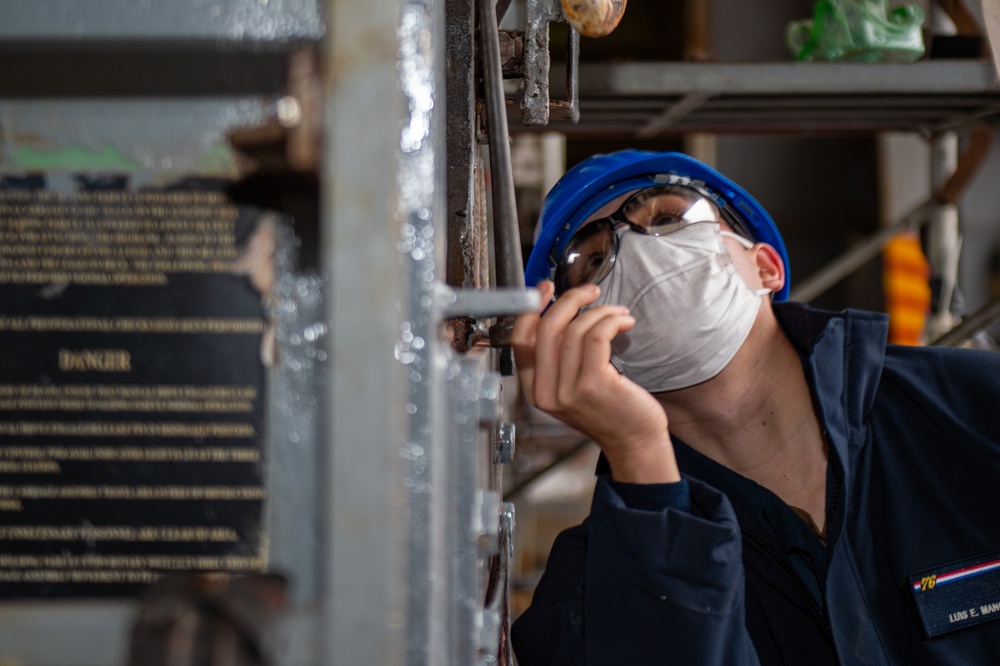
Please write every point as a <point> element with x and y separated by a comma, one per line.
<point>745,242</point>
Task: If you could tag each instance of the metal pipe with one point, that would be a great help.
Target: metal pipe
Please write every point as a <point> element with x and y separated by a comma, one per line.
<point>509,264</point>
<point>840,268</point>
<point>594,18</point>
<point>971,325</point>
<point>980,144</point>
<point>697,31</point>
<point>572,78</point>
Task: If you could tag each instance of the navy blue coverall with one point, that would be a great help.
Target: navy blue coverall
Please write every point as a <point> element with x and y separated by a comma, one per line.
<point>717,570</point>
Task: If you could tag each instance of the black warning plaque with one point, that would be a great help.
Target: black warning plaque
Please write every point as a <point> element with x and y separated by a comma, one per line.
<point>131,391</point>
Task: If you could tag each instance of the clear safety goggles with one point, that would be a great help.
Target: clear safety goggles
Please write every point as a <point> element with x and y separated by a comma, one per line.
<point>659,210</point>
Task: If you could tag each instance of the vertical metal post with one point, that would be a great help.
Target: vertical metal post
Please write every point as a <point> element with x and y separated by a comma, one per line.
<point>463,483</point>
<point>364,566</point>
<point>697,30</point>
<point>535,88</point>
<point>420,348</point>
<point>943,238</point>
<point>991,19</point>
<point>463,229</point>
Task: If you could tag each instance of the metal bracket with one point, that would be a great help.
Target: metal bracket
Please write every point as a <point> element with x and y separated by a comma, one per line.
<point>488,402</point>
<point>487,525</point>
<point>494,627</point>
<point>536,104</point>
<point>489,634</point>
<point>503,454</point>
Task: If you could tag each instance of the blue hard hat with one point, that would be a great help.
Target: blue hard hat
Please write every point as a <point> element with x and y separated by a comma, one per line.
<point>591,184</point>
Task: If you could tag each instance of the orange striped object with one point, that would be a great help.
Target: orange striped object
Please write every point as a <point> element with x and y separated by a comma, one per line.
<point>905,276</point>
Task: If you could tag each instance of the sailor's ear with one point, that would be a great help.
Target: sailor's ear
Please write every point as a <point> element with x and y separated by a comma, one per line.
<point>770,268</point>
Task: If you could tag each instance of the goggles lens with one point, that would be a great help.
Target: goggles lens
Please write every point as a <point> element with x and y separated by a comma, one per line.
<point>655,211</point>
<point>588,257</point>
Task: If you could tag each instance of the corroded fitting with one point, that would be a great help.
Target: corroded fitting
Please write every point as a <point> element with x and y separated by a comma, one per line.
<point>594,18</point>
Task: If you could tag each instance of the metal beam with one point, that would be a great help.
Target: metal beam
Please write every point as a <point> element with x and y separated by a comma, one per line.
<point>190,20</point>
<point>658,78</point>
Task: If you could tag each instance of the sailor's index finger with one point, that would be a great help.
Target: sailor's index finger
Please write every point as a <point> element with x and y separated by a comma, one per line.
<point>549,339</point>
<point>524,335</point>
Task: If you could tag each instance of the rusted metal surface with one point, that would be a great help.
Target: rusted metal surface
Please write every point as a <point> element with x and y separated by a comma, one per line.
<point>472,247</point>
<point>533,95</point>
<point>466,226</point>
<point>462,231</point>
<point>512,53</point>
<point>534,90</point>
<point>594,18</point>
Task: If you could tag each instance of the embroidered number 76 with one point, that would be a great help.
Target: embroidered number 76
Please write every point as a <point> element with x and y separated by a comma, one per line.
<point>927,583</point>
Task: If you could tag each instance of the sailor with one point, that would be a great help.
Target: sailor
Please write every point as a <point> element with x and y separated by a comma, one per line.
<point>777,484</point>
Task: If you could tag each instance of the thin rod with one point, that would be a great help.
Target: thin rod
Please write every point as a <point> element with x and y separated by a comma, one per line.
<point>518,488</point>
<point>573,76</point>
<point>507,237</point>
<point>971,325</point>
<point>849,262</point>
<point>509,265</point>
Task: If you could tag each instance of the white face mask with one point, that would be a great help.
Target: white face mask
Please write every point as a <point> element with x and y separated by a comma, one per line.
<point>693,310</point>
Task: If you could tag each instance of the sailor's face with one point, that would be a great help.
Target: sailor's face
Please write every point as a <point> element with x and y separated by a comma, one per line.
<point>674,205</point>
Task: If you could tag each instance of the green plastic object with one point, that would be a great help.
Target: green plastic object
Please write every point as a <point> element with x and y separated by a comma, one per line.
<point>858,30</point>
